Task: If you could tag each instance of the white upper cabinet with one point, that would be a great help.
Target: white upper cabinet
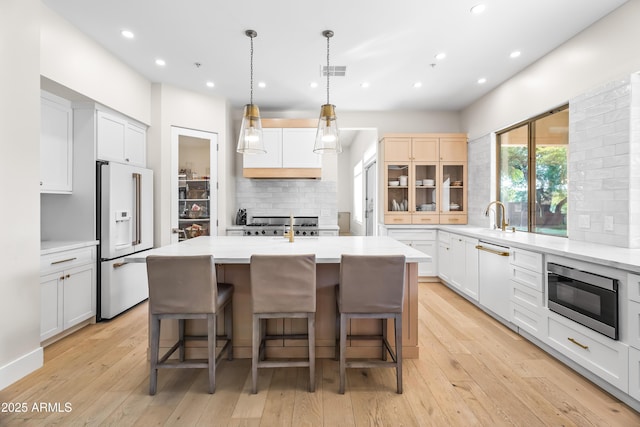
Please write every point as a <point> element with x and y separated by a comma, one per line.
<point>56,145</point>
<point>273,157</point>
<point>289,155</point>
<point>120,140</point>
<point>297,149</point>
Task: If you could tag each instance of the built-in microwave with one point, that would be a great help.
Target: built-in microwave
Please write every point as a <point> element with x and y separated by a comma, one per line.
<point>586,298</point>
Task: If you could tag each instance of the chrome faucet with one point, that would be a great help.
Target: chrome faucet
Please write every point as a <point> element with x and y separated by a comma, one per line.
<point>505,222</point>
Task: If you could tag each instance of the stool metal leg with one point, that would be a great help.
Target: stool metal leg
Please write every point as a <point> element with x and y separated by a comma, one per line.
<point>343,347</point>
<point>228,328</point>
<point>255,352</point>
<point>154,324</point>
<point>311,330</point>
<point>181,349</point>
<point>211,346</point>
<point>398,332</point>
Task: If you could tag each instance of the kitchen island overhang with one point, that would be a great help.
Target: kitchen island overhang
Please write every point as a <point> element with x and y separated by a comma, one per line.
<point>232,255</point>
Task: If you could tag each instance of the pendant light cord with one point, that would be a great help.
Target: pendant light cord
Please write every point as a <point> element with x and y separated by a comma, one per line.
<point>251,96</point>
<point>328,70</point>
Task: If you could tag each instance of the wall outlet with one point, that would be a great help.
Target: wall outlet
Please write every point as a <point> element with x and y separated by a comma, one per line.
<point>608,223</point>
<point>584,221</point>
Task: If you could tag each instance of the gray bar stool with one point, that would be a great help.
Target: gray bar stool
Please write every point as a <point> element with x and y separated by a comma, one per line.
<point>282,286</point>
<point>371,287</point>
<point>185,287</point>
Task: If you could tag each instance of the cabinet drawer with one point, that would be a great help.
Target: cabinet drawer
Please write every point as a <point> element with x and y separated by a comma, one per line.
<point>526,277</point>
<point>63,260</point>
<point>423,219</point>
<point>531,321</point>
<point>453,219</point>
<point>633,320</point>
<point>412,234</point>
<point>633,283</point>
<point>526,259</point>
<point>444,237</point>
<point>604,357</point>
<point>397,219</point>
<point>526,296</point>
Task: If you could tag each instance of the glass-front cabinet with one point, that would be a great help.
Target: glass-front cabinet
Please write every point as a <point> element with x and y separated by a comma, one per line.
<point>425,177</point>
<point>193,207</point>
<point>453,196</point>
<point>411,193</point>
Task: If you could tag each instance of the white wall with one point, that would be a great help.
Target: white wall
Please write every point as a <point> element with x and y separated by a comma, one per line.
<point>70,58</point>
<point>603,52</point>
<point>172,106</point>
<point>363,144</point>
<point>20,351</point>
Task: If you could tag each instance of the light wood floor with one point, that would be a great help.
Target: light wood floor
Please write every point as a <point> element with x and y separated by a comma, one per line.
<point>471,371</point>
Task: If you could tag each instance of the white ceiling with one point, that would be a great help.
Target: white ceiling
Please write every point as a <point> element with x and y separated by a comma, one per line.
<point>390,44</point>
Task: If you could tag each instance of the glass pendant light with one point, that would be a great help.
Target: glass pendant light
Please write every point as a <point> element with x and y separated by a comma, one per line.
<point>250,140</point>
<point>328,135</point>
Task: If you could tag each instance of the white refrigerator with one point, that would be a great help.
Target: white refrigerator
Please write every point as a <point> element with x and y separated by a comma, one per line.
<point>125,226</point>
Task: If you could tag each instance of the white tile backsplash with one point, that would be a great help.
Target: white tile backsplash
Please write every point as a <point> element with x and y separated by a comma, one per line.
<point>282,197</point>
<point>600,166</point>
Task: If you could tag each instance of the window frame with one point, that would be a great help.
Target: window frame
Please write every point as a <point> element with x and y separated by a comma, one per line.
<point>531,165</point>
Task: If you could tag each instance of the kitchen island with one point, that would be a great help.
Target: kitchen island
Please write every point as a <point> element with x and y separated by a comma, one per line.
<point>232,256</point>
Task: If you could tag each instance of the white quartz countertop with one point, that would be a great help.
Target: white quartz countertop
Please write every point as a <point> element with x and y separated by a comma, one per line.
<point>52,246</point>
<point>328,250</point>
<point>612,256</point>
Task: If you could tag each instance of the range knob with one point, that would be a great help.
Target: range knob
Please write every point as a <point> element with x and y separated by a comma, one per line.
<point>311,233</point>
<point>297,232</point>
<point>256,233</point>
<point>275,232</point>
<point>304,233</point>
<point>264,232</point>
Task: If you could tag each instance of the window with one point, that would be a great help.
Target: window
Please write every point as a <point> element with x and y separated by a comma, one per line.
<point>357,192</point>
<point>532,173</point>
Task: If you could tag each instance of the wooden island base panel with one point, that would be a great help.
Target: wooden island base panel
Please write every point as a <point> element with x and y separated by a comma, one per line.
<point>236,272</point>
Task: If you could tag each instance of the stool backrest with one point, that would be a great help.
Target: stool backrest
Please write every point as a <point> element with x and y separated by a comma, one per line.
<point>371,283</point>
<point>283,283</point>
<point>182,284</point>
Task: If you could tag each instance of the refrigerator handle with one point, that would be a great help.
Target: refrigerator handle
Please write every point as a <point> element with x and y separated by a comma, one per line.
<point>138,181</point>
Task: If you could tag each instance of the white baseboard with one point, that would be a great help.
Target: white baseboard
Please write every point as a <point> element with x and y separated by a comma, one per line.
<point>21,367</point>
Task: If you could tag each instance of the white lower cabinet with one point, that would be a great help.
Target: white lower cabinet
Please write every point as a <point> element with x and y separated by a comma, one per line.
<point>464,262</point>
<point>444,256</point>
<point>422,240</point>
<point>527,304</point>
<point>68,290</point>
<point>603,356</point>
<point>634,373</point>
<point>633,316</point>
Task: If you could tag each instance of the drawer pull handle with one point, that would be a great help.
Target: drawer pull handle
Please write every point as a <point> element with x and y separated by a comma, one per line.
<point>120,264</point>
<point>586,347</point>
<point>397,219</point>
<point>63,260</point>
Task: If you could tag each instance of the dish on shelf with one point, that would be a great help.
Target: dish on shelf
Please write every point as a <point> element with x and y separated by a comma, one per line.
<point>428,182</point>
<point>456,183</point>
<point>418,183</point>
<point>454,206</point>
<point>394,183</point>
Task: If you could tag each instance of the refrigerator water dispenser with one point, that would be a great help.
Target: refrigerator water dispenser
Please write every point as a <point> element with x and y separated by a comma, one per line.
<point>123,229</point>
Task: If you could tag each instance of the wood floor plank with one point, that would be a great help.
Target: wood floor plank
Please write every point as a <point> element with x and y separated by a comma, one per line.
<point>337,408</point>
<point>472,370</point>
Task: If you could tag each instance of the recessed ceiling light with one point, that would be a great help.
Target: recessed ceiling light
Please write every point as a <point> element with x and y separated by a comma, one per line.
<point>364,85</point>
<point>441,56</point>
<point>482,80</point>
<point>514,54</point>
<point>313,85</point>
<point>478,9</point>
<point>210,84</point>
<point>160,62</point>
<point>262,85</point>
<point>127,34</point>
<point>417,84</point>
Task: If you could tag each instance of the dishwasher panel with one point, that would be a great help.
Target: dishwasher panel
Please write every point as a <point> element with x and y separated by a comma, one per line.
<point>494,292</point>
